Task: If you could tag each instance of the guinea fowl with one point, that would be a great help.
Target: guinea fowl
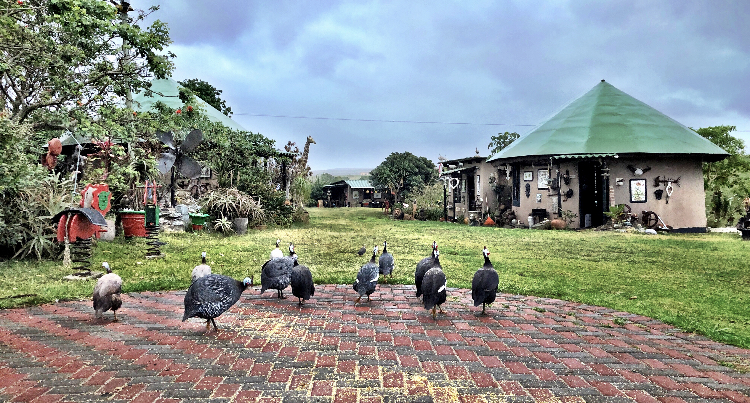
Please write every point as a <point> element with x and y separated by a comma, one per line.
<point>367,278</point>
<point>422,268</point>
<point>302,282</point>
<point>433,285</point>
<point>211,295</point>
<point>386,261</point>
<point>276,273</point>
<point>107,293</point>
<point>485,282</point>
<point>362,250</point>
<point>202,269</point>
<point>277,253</point>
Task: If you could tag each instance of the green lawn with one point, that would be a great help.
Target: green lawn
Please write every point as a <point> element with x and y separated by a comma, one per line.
<point>698,282</point>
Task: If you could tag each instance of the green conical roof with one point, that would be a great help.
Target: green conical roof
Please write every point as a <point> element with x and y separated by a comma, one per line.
<point>167,91</point>
<point>606,120</point>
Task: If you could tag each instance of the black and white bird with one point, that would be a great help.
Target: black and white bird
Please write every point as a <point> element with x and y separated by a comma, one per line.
<point>211,295</point>
<point>362,250</point>
<point>367,278</point>
<point>423,266</point>
<point>485,282</point>
<point>433,286</point>
<point>106,294</point>
<point>385,262</point>
<point>302,282</point>
<point>276,274</point>
<point>202,269</point>
<point>277,253</point>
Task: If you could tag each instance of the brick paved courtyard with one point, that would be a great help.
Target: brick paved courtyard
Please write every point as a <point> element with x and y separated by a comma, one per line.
<point>526,349</point>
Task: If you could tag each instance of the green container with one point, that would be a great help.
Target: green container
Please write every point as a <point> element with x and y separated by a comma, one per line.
<point>198,219</point>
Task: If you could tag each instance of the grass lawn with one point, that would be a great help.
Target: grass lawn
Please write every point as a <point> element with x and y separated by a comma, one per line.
<point>697,282</point>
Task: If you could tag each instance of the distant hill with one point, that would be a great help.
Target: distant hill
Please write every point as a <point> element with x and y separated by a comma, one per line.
<point>351,173</point>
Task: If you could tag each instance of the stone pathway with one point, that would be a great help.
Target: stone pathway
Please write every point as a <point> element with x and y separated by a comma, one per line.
<point>526,349</point>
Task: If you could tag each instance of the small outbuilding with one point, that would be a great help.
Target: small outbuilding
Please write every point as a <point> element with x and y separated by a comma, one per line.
<point>474,188</point>
<point>353,193</point>
<point>605,149</point>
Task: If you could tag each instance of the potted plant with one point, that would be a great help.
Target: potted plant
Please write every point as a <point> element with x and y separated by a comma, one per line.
<point>233,205</point>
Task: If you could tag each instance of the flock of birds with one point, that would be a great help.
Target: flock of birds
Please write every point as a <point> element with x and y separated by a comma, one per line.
<point>211,294</point>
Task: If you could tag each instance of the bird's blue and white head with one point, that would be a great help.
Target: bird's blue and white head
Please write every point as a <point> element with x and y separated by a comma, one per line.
<point>278,242</point>
<point>434,245</point>
<point>291,249</point>
<point>203,255</point>
<point>485,252</point>
<point>247,281</point>
<point>375,250</point>
<point>435,252</point>
<point>106,267</point>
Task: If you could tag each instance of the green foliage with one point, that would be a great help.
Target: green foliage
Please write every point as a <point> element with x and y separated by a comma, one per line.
<point>403,172</point>
<point>208,93</point>
<point>62,59</point>
<point>429,201</point>
<point>223,225</point>
<point>230,203</point>
<point>616,213</point>
<point>300,190</point>
<point>501,140</point>
<point>725,181</point>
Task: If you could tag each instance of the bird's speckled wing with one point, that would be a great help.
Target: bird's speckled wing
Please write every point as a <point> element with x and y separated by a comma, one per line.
<point>276,273</point>
<point>108,284</point>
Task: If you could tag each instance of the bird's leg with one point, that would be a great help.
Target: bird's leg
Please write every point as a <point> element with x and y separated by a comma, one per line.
<point>208,325</point>
<point>115,313</point>
<point>433,313</point>
<point>441,309</point>
<point>483,306</point>
<point>300,302</point>
<point>368,298</point>
<point>357,300</point>
<point>214,322</point>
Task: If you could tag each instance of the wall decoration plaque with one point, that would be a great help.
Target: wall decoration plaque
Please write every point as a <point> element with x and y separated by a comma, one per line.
<point>528,176</point>
<point>637,190</point>
<point>542,179</point>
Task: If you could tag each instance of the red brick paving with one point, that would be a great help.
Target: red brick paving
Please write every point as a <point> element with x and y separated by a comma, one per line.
<point>330,351</point>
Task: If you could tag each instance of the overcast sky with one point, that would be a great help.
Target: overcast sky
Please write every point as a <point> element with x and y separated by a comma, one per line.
<point>454,73</point>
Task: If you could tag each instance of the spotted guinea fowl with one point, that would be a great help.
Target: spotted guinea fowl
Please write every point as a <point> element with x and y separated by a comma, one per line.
<point>485,282</point>
<point>422,268</point>
<point>211,295</point>
<point>433,286</point>
<point>276,273</point>
<point>107,291</point>
<point>277,253</point>
<point>362,250</point>
<point>386,261</point>
<point>202,269</point>
<point>302,282</point>
<point>367,278</point>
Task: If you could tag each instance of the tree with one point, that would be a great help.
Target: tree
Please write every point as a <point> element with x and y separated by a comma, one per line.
<point>403,172</point>
<point>502,140</point>
<point>63,60</point>
<point>208,93</point>
<point>723,180</point>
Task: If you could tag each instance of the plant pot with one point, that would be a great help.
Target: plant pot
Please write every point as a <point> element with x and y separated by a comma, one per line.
<point>240,225</point>
<point>198,221</point>
<point>133,223</point>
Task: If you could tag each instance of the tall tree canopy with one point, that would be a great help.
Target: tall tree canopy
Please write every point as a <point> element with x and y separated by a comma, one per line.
<point>62,60</point>
<point>723,180</point>
<point>502,140</point>
<point>208,93</point>
<point>403,172</point>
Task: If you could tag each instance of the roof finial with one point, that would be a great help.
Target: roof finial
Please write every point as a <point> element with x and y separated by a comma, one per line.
<point>602,80</point>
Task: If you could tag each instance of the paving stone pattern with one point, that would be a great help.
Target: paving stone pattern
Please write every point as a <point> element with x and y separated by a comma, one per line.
<point>526,349</point>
